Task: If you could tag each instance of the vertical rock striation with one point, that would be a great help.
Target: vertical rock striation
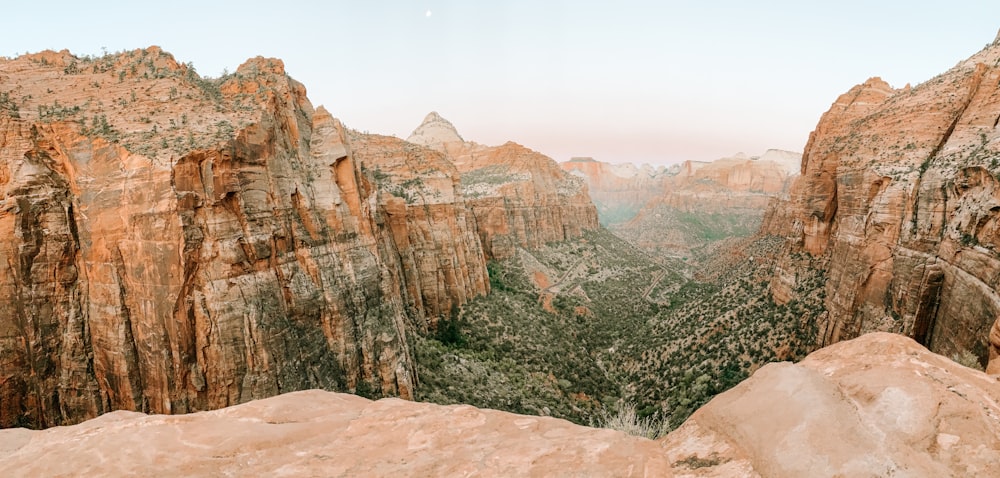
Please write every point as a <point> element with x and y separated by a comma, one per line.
<point>519,197</point>
<point>434,232</point>
<point>173,244</point>
<point>899,199</point>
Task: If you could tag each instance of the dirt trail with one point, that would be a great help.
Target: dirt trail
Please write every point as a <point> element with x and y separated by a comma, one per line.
<point>656,280</point>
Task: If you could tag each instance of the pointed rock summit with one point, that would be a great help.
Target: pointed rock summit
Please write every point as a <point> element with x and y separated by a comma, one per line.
<point>434,132</point>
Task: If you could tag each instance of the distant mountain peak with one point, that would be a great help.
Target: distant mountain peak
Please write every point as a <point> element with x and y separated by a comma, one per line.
<point>434,131</point>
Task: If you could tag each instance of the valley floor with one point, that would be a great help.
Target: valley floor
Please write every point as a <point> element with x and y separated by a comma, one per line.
<point>576,328</point>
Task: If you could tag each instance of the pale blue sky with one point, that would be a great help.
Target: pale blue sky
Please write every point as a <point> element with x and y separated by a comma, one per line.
<point>643,81</point>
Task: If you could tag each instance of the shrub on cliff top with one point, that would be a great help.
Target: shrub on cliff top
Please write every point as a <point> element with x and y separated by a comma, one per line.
<point>626,419</point>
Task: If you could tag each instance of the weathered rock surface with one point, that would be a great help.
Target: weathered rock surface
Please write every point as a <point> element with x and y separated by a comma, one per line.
<point>519,197</point>
<point>435,132</point>
<point>317,433</point>
<point>880,405</point>
<point>899,199</point>
<point>434,230</point>
<point>737,182</point>
<point>173,244</point>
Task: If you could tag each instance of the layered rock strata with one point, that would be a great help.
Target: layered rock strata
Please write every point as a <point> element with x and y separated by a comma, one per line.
<point>619,191</point>
<point>704,202</point>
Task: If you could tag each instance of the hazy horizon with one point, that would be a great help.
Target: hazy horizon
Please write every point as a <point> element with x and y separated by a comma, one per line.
<point>634,81</point>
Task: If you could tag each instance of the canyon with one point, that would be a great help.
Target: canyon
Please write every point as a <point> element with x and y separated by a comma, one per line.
<point>185,257</point>
<point>520,198</point>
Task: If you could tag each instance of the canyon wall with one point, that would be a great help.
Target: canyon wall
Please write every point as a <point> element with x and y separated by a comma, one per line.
<point>173,244</point>
<point>519,197</point>
<point>432,227</point>
<point>877,404</point>
<point>899,200</point>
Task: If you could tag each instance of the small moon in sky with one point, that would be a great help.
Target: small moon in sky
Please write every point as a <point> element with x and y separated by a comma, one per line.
<point>428,14</point>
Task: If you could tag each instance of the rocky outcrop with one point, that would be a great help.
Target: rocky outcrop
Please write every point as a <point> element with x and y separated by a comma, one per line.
<point>315,433</point>
<point>519,197</point>
<point>877,405</point>
<point>434,230</point>
<point>880,404</point>
<point>173,244</point>
<point>704,202</point>
<point>899,200</point>
<point>618,191</point>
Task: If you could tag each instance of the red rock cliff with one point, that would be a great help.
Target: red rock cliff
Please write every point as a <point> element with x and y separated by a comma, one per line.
<point>173,244</point>
<point>519,197</point>
<point>899,199</point>
<point>433,229</point>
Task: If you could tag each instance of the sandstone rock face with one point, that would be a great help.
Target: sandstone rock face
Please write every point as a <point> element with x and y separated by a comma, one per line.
<point>173,244</point>
<point>519,197</point>
<point>880,405</point>
<point>899,200</point>
<point>434,230</point>
<point>702,202</point>
<point>618,191</point>
<point>316,433</point>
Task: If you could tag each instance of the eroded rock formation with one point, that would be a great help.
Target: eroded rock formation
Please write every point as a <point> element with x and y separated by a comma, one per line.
<point>519,197</point>
<point>619,191</point>
<point>434,230</point>
<point>177,244</point>
<point>899,199</point>
<point>173,244</point>
<point>880,404</point>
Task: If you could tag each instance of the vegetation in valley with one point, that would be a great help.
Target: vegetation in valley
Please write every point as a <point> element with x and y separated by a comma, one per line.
<point>613,214</point>
<point>716,332</point>
<point>581,329</point>
<point>673,231</point>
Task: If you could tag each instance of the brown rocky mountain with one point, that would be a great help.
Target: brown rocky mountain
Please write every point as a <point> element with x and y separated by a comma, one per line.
<point>434,230</point>
<point>519,197</point>
<point>175,243</point>
<point>898,201</point>
<point>880,405</point>
<point>703,202</point>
